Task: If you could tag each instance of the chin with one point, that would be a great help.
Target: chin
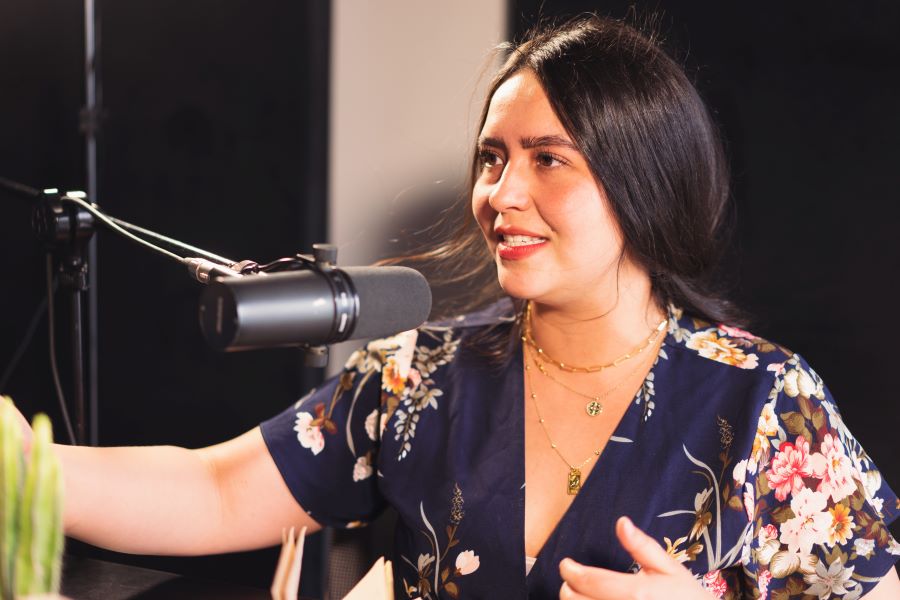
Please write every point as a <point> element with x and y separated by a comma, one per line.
<point>522,288</point>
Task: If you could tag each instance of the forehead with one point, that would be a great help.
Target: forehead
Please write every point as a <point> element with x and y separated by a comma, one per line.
<point>521,107</point>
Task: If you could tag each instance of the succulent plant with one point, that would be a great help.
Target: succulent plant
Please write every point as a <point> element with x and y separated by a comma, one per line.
<point>31,537</point>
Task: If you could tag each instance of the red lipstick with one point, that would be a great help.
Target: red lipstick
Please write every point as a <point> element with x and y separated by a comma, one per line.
<point>518,252</point>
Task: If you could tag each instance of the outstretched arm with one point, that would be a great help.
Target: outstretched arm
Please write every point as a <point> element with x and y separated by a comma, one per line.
<point>174,501</point>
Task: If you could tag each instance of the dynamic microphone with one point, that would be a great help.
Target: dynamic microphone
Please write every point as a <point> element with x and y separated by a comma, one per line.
<point>312,307</point>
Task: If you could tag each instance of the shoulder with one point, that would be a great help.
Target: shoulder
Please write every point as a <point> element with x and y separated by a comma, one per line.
<point>724,344</point>
<point>433,345</point>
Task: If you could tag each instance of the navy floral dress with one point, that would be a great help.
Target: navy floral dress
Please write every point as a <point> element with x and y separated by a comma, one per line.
<point>733,456</point>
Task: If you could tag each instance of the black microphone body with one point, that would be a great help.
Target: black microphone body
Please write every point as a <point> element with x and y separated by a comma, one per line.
<point>312,307</point>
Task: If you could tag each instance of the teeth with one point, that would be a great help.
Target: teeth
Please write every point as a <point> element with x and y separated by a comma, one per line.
<point>521,240</point>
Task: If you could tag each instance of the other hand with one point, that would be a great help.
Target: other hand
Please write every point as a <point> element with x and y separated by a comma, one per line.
<point>661,576</point>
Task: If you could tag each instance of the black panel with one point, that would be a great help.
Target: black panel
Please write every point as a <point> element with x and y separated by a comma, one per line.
<point>214,133</point>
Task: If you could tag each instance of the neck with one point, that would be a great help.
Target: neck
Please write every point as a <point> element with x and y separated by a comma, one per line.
<point>597,330</point>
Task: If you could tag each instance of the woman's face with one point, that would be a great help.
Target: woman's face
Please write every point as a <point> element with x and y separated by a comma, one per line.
<point>547,222</point>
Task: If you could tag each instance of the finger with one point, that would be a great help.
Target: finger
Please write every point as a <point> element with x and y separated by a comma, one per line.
<point>596,583</point>
<point>567,593</point>
<point>644,549</point>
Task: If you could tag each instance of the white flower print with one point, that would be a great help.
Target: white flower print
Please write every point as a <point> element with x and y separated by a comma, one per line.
<point>864,547</point>
<point>721,349</point>
<point>309,436</point>
<point>811,523</point>
<point>835,580</point>
<point>740,472</point>
<point>749,500</point>
<point>424,561</point>
<point>797,381</point>
<point>370,424</point>
<point>422,395</point>
<point>872,482</point>
<point>877,504</point>
<point>467,562</point>
<point>362,469</point>
<point>768,543</point>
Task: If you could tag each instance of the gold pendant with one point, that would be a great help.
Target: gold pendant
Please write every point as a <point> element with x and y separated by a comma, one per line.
<point>574,483</point>
<point>593,408</point>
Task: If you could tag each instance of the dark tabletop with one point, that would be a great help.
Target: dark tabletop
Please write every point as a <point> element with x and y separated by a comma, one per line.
<point>91,579</point>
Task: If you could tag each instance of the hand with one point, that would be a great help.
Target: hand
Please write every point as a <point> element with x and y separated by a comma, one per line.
<point>661,576</point>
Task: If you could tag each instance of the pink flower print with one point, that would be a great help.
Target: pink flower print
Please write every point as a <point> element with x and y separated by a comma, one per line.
<point>791,464</point>
<point>415,378</point>
<point>767,534</point>
<point>811,523</point>
<point>837,480</point>
<point>736,332</point>
<point>777,368</point>
<point>714,583</point>
<point>309,435</point>
<point>763,583</point>
<point>362,469</point>
<point>467,562</point>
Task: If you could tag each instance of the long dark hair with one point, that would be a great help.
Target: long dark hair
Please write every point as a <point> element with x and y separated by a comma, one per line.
<point>647,137</point>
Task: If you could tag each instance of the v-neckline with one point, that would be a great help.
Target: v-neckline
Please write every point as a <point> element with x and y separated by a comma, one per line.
<point>596,472</point>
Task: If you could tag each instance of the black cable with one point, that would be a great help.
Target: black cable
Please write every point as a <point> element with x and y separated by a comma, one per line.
<point>53,367</point>
<point>19,188</point>
<point>26,341</point>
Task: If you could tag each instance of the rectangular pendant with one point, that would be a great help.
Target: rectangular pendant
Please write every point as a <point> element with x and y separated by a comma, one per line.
<point>574,483</point>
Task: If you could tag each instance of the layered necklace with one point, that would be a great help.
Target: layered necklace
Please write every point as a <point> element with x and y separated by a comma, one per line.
<point>594,407</point>
<point>529,339</point>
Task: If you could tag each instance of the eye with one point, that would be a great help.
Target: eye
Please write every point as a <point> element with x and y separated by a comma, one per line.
<point>550,160</point>
<point>488,159</point>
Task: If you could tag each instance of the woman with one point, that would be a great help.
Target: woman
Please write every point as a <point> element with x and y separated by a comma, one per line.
<point>511,440</point>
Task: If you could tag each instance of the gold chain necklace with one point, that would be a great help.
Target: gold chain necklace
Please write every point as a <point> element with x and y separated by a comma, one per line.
<point>573,479</point>
<point>594,407</point>
<point>529,339</point>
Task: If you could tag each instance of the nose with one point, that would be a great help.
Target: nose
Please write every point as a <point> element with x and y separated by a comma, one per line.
<point>512,191</point>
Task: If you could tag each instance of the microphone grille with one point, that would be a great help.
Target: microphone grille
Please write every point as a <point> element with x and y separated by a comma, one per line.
<point>391,300</point>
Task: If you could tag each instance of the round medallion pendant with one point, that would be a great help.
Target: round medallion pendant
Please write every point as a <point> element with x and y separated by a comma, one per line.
<point>593,408</point>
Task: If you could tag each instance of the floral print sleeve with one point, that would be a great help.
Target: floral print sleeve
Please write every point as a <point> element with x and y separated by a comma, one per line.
<point>326,445</point>
<point>817,504</point>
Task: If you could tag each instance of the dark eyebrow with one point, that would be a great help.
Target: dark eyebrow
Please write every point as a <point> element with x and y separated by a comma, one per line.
<point>490,142</point>
<point>547,140</point>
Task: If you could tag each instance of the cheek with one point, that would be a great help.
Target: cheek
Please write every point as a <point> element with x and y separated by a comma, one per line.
<point>482,211</point>
<point>583,213</point>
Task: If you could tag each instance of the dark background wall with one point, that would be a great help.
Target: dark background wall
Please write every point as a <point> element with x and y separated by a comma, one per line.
<point>214,133</point>
<point>806,95</point>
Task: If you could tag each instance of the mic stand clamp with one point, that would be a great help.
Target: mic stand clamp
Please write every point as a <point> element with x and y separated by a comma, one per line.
<point>65,229</point>
<point>324,259</point>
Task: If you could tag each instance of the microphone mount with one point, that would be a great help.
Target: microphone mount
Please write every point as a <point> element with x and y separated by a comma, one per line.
<point>322,261</point>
